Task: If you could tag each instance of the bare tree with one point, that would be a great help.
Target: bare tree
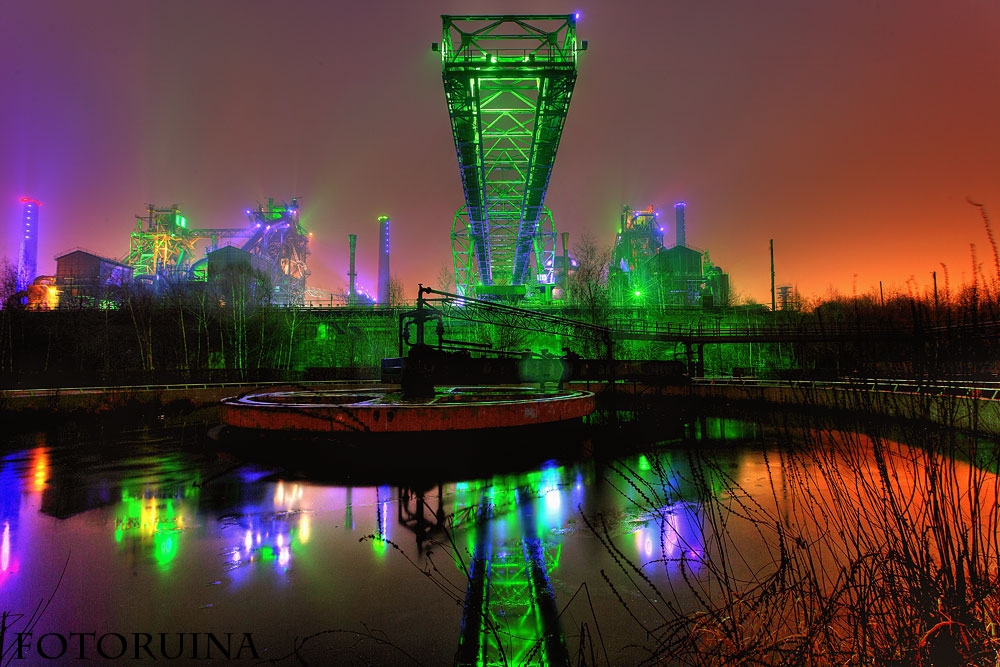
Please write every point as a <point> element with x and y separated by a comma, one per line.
<point>8,284</point>
<point>445,281</point>
<point>140,303</point>
<point>589,289</point>
<point>241,291</point>
<point>397,295</point>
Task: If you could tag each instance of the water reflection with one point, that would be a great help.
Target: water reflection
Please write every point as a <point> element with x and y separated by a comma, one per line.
<point>23,477</point>
<point>151,524</point>
<point>511,528</point>
<point>163,507</point>
<point>536,561</point>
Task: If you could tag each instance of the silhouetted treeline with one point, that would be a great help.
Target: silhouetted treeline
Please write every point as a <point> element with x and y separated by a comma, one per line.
<point>146,343</point>
<point>227,331</point>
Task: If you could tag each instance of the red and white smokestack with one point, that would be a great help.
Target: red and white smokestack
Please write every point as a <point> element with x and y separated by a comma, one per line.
<point>681,232</point>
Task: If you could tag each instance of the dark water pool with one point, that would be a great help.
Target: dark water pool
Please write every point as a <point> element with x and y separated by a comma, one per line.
<point>158,544</point>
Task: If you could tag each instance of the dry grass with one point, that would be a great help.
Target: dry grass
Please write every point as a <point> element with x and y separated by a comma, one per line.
<point>862,551</point>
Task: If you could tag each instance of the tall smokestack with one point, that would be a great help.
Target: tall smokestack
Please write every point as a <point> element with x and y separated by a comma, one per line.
<point>681,232</point>
<point>383,260</point>
<point>352,294</point>
<point>27,259</point>
<point>565,243</point>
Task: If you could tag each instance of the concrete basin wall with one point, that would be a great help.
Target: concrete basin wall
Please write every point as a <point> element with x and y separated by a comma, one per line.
<point>972,413</point>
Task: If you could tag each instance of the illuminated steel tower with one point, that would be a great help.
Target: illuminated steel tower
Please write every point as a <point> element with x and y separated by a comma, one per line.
<point>382,295</point>
<point>161,244</point>
<point>27,258</point>
<point>508,82</point>
<point>282,242</point>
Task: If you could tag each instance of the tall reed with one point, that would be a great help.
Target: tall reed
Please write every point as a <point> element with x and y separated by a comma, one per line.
<point>862,551</point>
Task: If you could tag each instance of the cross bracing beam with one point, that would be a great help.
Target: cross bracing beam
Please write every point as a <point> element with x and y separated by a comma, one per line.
<point>508,81</point>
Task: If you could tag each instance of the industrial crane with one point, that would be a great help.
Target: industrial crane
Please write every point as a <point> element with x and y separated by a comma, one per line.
<point>508,82</point>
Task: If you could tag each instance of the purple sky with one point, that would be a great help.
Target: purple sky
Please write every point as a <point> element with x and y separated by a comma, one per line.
<point>849,131</point>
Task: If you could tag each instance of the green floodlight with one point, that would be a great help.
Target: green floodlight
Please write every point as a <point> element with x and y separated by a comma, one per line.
<point>638,293</point>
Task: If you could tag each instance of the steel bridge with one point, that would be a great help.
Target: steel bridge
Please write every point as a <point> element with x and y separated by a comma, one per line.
<point>508,82</point>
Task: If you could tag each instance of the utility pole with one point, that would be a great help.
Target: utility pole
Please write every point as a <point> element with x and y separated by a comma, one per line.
<point>774,302</point>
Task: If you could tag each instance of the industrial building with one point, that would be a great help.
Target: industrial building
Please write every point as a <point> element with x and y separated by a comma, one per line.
<point>164,246</point>
<point>646,271</point>
<point>234,272</point>
<point>165,250</point>
<point>87,280</point>
<point>508,81</point>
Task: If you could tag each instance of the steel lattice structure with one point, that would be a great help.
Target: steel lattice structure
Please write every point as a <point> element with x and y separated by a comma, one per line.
<point>508,82</point>
<point>162,245</point>
<point>280,240</point>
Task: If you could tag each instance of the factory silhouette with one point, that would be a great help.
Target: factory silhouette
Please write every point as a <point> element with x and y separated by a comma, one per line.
<point>166,252</point>
<point>508,89</point>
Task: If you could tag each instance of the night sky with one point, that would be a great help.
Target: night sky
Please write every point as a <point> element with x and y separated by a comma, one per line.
<point>851,131</point>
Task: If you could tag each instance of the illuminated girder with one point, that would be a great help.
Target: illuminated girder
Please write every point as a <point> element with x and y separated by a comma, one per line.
<point>463,250</point>
<point>161,243</point>
<point>508,82</point>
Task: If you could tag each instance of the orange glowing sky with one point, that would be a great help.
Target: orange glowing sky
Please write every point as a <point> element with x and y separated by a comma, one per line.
<point>851,132</point>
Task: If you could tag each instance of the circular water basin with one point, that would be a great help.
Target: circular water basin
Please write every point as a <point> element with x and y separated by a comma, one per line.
<point>376,410</point>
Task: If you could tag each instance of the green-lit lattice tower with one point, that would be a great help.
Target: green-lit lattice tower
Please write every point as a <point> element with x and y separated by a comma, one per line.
<point>508,82</point>
<point>161,245</point>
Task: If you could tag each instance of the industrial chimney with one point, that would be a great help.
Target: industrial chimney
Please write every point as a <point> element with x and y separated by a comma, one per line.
<point>383,260</point>
<point>565,275</point>
<point>681,232</point>
<point>352,294</point>
<point>27,260</point>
